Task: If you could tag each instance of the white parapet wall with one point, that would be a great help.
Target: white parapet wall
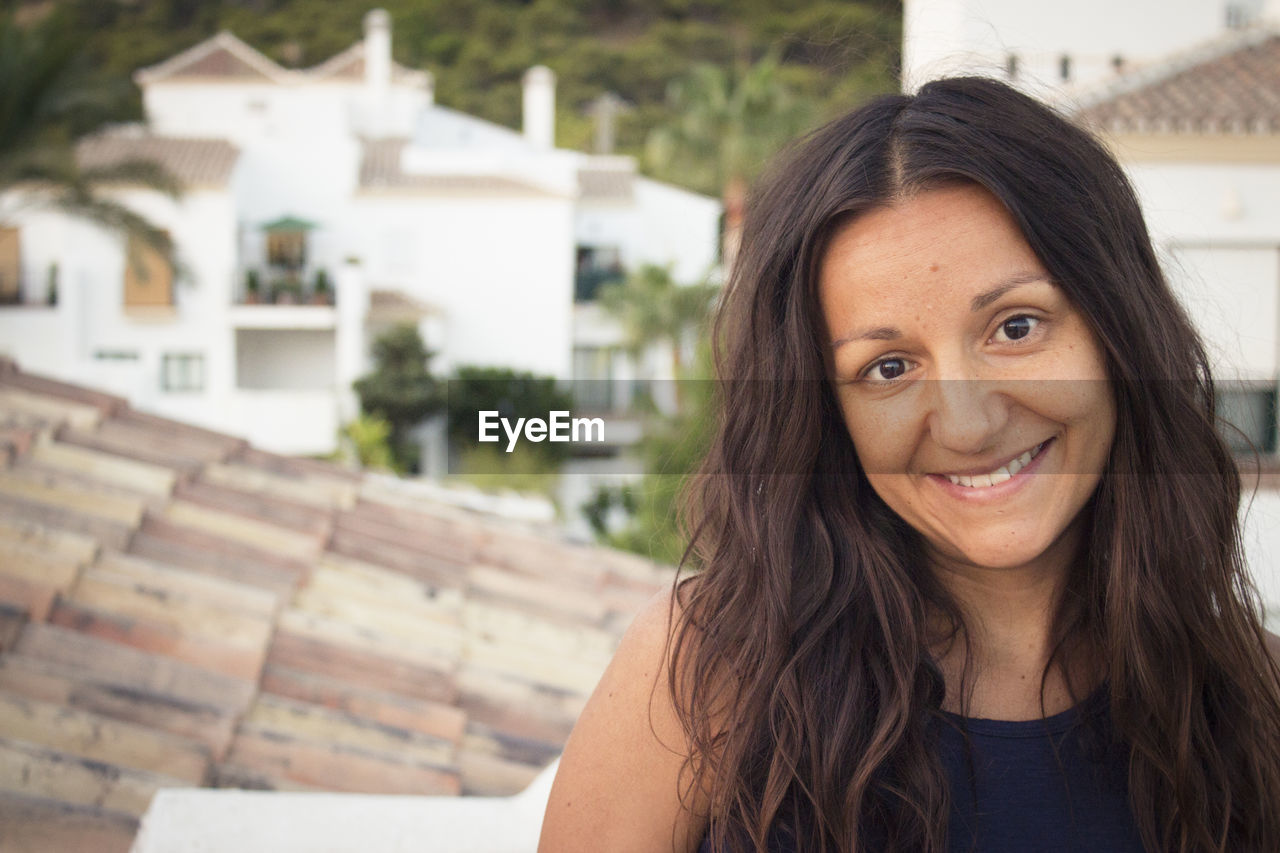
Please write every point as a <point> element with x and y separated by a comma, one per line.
<point>187,820</point>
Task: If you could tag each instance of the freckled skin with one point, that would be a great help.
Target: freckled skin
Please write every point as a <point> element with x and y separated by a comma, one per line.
<point>968,393</point>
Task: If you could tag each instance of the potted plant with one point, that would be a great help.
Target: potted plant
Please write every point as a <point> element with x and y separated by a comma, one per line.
<point>252,288</point>
<point>321,290</point>
<point>286,291</point>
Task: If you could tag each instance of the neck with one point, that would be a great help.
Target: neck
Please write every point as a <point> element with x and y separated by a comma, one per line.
<point>1009,613</point>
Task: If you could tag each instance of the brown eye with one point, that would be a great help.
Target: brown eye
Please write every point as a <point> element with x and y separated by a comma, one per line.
<point>1018,327</point>
<point>889,369</point>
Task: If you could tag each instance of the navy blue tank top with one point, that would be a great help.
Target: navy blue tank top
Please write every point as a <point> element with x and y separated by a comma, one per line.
<point>1019,797</point>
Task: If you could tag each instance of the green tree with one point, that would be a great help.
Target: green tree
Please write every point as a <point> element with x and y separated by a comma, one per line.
<point>653,308</point>
<point>50,103</point>
<point>671,450</point>
<point>512,394</point>
<point>367,439</point>
<point>726,121</point>
<point>401,390</point>
<point>530,466</point>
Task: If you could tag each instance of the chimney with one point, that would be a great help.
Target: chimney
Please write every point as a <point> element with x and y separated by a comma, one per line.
<point>377,50</point>
<point>540,106</point>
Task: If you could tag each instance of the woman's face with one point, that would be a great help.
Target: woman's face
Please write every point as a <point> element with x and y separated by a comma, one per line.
<point>975,394</point>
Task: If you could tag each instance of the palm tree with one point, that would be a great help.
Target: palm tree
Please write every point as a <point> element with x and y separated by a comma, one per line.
<point>725,126</point>
<point>653,308</point>
<point>50,102</point>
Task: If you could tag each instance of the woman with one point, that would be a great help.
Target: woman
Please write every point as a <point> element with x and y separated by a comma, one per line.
<point>971,573</point>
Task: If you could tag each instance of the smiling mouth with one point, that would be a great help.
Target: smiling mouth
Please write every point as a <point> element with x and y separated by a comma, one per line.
<point>1001,474</point>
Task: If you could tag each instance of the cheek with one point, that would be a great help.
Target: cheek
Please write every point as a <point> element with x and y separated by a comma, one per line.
<point>880,438</point>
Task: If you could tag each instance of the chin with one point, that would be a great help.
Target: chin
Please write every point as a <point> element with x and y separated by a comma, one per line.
<point>994,552</point>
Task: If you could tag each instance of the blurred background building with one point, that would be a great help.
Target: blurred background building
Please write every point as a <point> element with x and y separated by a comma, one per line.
<point>322,207</point>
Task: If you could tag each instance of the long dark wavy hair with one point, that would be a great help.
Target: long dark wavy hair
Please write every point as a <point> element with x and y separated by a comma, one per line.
<point>801,657</point>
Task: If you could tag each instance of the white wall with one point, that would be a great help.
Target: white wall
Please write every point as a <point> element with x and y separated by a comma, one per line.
<point>1218,226</point>
<point>247,113</point>
<point>1261,535</point>
<point>943,37</point>
<point>285,359</point>
<point>92,314</point>
<point>500,269</point>
<point>665,225</point>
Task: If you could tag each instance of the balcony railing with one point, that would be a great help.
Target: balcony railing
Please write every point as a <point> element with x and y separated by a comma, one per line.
<point>271,286</point>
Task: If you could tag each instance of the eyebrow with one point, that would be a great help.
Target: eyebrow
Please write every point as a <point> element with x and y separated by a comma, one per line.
<point>982,300</point>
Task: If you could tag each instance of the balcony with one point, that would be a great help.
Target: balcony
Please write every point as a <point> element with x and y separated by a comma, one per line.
<point>284,299</point>
<point>283,286</point>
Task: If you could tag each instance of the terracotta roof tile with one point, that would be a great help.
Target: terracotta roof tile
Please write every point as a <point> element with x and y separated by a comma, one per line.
<point>380,169</point>
<point>287,624</point>
<point>132,669</point>
<point>193,162</point>
<point>220,57</point>
<point>38,771</point>
<point>36,823</point>
<point>1231,87</point>
<point>349,66</point>
<point>109,533</point>
<point>388,708</point>
<point>63,685</point>
<point>13,618</point>
<point>337,768</point>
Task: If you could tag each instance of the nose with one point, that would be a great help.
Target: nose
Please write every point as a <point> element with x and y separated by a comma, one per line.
<point>966,414</point>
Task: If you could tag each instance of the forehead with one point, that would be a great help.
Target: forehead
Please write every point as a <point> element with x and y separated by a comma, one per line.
<point>939,241</point>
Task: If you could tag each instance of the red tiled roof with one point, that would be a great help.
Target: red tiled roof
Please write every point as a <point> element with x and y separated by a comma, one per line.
<point>349,65</point>
<point>178,608</point>
<point>221,57</point>
<point>194,162</point>
<point>1230,87</point>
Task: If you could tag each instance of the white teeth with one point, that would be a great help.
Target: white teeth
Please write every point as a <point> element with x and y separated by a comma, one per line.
<point>1005,472</point>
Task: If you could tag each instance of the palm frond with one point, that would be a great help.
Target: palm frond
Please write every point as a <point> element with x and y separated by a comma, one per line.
<point>146,173</point>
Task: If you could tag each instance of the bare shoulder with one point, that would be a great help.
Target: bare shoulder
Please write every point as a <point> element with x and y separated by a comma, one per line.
<point>618,786</point>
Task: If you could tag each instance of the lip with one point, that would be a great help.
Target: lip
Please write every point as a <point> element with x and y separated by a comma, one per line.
<point>987,469</point>
<point>998,491</point>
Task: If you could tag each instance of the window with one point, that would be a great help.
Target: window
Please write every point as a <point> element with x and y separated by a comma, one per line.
<point>1117,64</point>
<point>287,249</point>
<point>597,266</point>
<point>1247,413</point>
<point>1064,68</point>
<point>1238,16</point>
<point>1011,66</point>
<point>148,278</point>
<point>10,267</point>
<point>182,372</point>
<point>115,355</point>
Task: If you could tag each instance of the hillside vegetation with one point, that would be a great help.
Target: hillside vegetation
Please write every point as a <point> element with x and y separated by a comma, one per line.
<point>834,53</point>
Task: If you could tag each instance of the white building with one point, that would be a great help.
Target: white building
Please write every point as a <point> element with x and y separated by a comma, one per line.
<point>1052,48</point>
<point>347,178</point>
<point>1192,111</point>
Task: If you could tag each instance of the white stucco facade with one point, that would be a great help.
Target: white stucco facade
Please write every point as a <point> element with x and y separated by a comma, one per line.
<point>1218,227</point>
<point>1096,38</point>
<point>475,227</point>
